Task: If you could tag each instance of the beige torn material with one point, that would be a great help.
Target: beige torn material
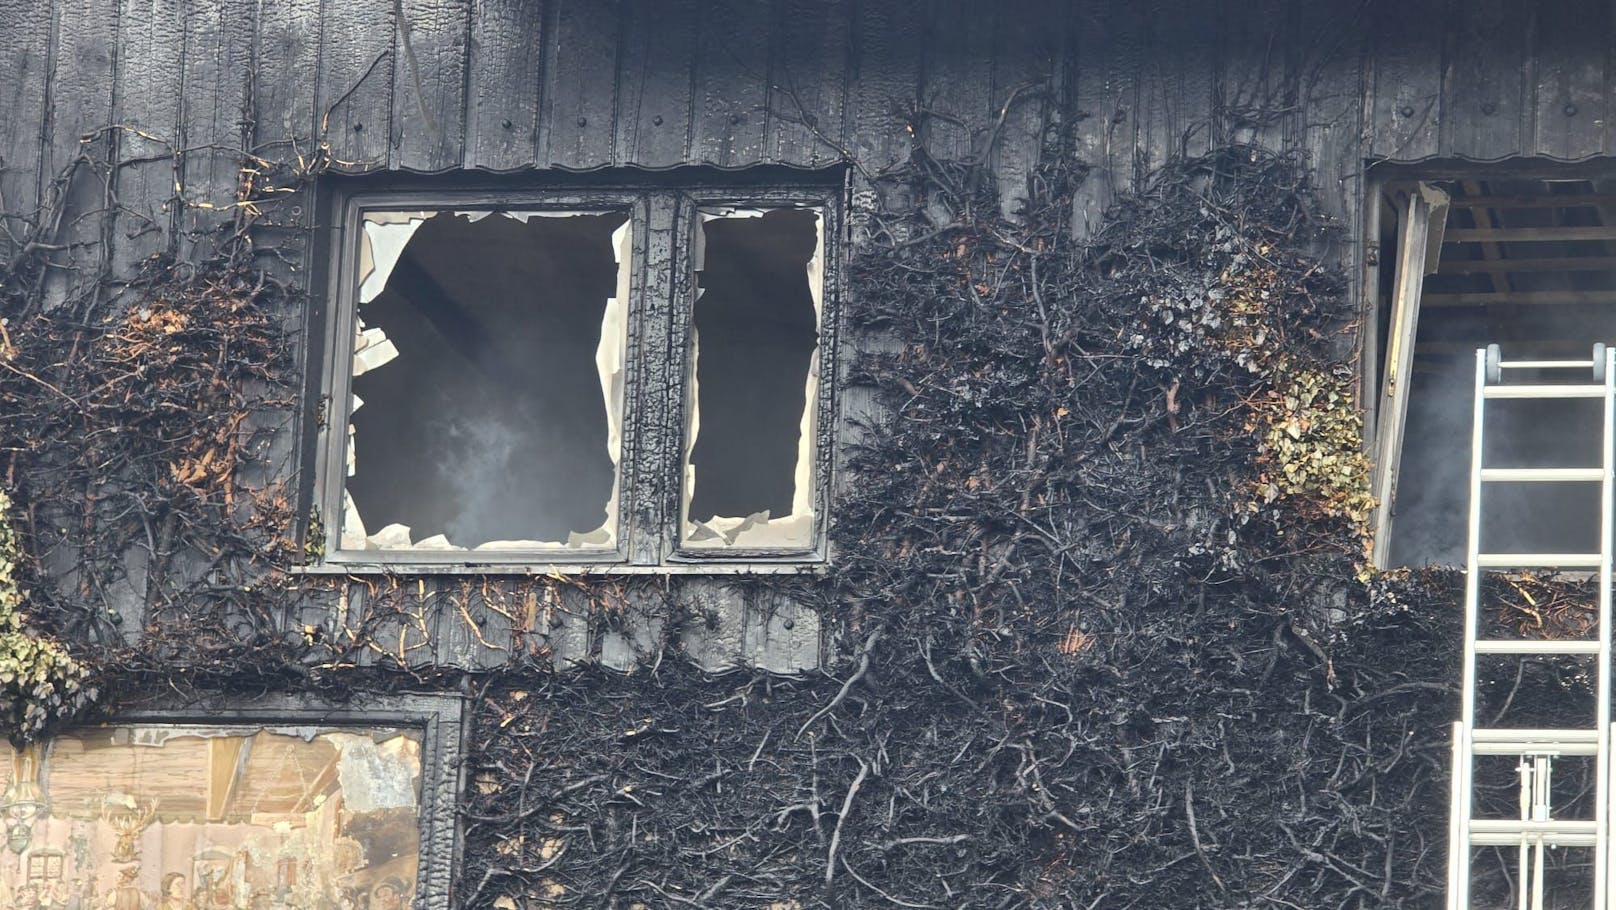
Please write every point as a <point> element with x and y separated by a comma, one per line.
<point>386,234</point>
<point>391,537</point>
<point>760,529</point>
<point>353,527</point>
<point>436,542</point>
<point>372,348</point>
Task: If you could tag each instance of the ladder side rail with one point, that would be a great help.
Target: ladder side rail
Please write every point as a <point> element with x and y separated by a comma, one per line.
<point>1607,511</point>
<point>1459,898</point>
<point>1457,824</point>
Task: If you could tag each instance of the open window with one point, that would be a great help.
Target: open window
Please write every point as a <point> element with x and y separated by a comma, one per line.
<point>518,379</point>
<point>1523,259</point>
<point>486,395</point>
<point>752,391</point>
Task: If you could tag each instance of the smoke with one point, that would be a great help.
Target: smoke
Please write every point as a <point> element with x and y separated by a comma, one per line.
<point>1431,521</point>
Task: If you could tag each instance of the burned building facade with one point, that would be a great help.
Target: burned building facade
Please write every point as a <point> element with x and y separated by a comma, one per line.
<point>838,453</point>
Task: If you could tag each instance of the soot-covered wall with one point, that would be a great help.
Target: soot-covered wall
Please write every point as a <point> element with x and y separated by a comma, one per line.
<point>1222,725</point>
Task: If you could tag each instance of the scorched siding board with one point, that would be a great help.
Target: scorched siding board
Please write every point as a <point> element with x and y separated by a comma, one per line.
<point>22,112</point>
<point>356,78</point>
<point>429,90</point>
<point>504,84</point>
<point>580,87</point>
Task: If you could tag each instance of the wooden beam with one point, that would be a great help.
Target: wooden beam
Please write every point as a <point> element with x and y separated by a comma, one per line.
<point>1507,235</point>
<point>1520,297</point>
<point>227,758</point>
<point>321,783</point>
<point>1547,264</point>
<point>1553,347</point>
<point>1490,250</point>
<point>1535,201</point>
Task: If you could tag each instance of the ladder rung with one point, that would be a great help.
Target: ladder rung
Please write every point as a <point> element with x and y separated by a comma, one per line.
<point>1545,364</point>
<point>1543,391</point>
<point>1538,560</point>
<point>1550,475</point>
<point>1504,741</point>
<point>1489,832</point>
<point>1531,646</point>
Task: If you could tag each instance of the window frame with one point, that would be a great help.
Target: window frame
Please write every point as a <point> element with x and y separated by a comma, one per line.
<point>657,368</point>
<point>1384,441</point>
<point>440,719</point>
<point>683,319</point>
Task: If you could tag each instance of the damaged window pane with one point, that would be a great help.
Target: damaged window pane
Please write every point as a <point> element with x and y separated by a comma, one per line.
<point>191,816</point>
<point>487,381</point>
<point>754,379</point>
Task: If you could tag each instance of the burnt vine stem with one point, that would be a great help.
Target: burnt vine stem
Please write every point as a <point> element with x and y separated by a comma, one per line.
<point>1110,638</point>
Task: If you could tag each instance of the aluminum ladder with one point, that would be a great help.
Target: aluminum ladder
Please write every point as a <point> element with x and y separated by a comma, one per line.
<point>1537,828</point>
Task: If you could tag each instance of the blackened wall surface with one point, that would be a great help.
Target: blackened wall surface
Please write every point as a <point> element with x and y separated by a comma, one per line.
<point>160,98</point>
<point>438,85</point>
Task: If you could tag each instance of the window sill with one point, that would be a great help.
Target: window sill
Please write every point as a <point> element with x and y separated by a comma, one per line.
<point>550,569</point>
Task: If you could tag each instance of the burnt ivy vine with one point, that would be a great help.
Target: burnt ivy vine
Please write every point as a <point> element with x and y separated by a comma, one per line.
<point>1107,636</point>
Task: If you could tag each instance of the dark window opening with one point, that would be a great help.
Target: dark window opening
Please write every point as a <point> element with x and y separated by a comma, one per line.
<point>1528,264</point>
<point>756,337</point>
<point>495,424</point>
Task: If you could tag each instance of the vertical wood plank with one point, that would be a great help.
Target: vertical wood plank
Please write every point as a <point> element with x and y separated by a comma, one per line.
<point>25,54</point>
<point>355,100</point>
<point>215,125</point>
<point>1108,47</point>
<point>285,123</point>
<point>429,90</point>
<point>286,59</point>
<point>580,88</point>
<point>732,83</point>
<point>146,109</point>
<point>77,129</point>
<point>504,71</point>
<point>1569,97</point>
<point>1183,83</point>
<point>1331,42</point>
<point>1485,84</point>
<point>957,79</point>
<point>654,76</point>
<point>809,67</point>
<point>1255,93</point>
<point>1026,54</point>
<point>885,76</point>
<point>1406,99</point>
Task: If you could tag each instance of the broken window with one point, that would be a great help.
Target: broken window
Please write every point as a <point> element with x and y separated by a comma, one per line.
<point>147,815</point>
<point>487,381</point>
<point>544,380</point>
<point>753,379</point>
<point>1528,263</point>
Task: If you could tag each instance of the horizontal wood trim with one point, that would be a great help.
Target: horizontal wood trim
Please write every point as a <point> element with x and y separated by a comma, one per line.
<point>1548,264</point>
<point>1518,297</point>
<point>1504,235</point>
<point>1534,201</point>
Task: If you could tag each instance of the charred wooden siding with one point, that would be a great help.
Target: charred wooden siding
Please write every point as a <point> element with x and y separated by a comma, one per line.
<point>501,85</point>
<point>163,96</point>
